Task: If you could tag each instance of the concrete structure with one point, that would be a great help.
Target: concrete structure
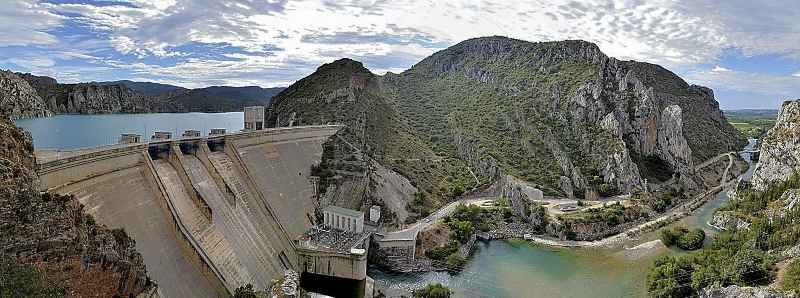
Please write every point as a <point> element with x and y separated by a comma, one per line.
<point>566,207</point>
<point>129,138</point>
<point>375,213</point>
<point>254,118</point>
<point>161,135</point>
<point>344,219</point>
<point>207,221</point>
<point>217,131</point>
<point>191,133</point>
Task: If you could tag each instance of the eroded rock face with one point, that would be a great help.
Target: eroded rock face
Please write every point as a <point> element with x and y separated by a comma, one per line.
<point>53,232</point>
<point>740,292</point>
<point>727,220</point>
<point>90,98</point>
<point>780,148</point>
<point>522,197</point>
<point>18,99</point>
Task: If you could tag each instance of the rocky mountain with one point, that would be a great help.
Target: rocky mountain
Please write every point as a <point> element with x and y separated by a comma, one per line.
<point>780,148</point>
<point>220,98</point>
<point>761,222</point>
<point>561,116</point>
<point>146,88</point>
<point>92,98</point>
<point>135,97</point>
<point>18,99</point>
<point>73,256</point>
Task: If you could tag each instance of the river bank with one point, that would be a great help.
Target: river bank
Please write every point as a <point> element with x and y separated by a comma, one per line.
<point>545,267</point>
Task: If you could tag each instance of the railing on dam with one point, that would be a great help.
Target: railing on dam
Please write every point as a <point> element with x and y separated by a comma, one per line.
<point>53,158</point>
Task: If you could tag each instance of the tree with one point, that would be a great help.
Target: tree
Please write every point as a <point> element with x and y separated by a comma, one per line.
<point>455,261</point>
<point>245,292</point>
<point>668,236</point>
<point>461,230</point>
<point>670,277</point>
<point>692,240</point>
<point>436,290</point>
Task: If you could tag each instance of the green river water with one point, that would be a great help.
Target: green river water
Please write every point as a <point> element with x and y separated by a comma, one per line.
<point>517,268</point>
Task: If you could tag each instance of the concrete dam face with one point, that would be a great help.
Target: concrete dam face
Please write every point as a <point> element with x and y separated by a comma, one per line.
<point>208,214</point>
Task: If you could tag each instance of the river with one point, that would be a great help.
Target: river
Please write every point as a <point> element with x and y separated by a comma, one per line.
<point>82,131</point>
<point>519,269</point>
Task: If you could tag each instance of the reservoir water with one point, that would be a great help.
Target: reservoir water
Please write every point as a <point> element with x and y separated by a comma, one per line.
<point>81,131</point>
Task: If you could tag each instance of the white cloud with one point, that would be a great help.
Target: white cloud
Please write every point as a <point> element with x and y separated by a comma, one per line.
<point>719,69</point>
<point>783,85</point>
<point>24,22</point>
<point>285,40</point>
<point>797,74</point>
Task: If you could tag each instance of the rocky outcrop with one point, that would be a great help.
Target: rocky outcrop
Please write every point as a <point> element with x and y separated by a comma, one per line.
<point>18,99</point>
<point>522,197</point>
<point>93,98</point>
<point>561,116</point>
<point>728,220</point>
<point>780,148</point>
<point>52,231</point>
<point>740,292</point>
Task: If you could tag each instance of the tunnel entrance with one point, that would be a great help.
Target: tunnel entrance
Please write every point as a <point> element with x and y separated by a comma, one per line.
<point>332,286</point>
<point>216,145</point>
<point>189,148</point>
<point>158,150</point>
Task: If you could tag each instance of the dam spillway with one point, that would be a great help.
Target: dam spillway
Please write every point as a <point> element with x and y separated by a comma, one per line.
<point>208,214</point>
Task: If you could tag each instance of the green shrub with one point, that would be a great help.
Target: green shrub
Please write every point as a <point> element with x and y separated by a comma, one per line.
<point>455,261</point>
<point>22,280</point>
<point>461,230</point>
<point>668,236</point>
<point>441,252</point>
<point>433,291</point>
<point>692,240</point>
<point>791,279</point>
<point>683,238</point>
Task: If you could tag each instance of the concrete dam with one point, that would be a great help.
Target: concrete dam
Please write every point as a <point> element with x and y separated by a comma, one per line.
<point>210,214</point>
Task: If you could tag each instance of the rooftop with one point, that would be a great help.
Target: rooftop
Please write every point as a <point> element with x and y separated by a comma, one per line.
<point>321,238</point>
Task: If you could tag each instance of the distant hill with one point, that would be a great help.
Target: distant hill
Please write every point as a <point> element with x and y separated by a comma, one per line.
<point>147,88</point>
<point>752,113</point>
<point>222,98</point>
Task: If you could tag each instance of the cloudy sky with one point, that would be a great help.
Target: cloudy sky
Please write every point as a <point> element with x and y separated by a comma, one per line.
<point>747,51</point>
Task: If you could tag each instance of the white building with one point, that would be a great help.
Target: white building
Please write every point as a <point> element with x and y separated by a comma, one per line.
<point>162,135</point>
<point>191,133</point>
<point>375,213</point>
<point>253,118</point>
<point>344,219</point>
<point>217,131</point>
<point>129,138</point>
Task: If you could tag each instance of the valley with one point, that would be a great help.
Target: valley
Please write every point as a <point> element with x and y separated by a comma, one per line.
<point>492,166</point>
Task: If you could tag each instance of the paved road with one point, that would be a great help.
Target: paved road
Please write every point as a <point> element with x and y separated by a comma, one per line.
<point>412,230</point>
<point>676,212</point>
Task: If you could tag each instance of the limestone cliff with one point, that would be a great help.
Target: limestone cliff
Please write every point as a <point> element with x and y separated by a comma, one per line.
<point>780,148</point>
<point>51,232</point>
<point>561,116</point>
<point>18,99</point>
<point>92,98</point>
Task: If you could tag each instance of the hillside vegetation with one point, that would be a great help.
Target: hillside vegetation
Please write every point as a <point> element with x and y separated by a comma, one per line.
<point>561,116</point>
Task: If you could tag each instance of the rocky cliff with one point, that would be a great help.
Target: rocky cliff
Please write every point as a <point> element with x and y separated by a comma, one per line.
<point>780,148</point>
<point>18,99</point>
<point>92,98</point>
<point>73,254</point>
<point>561,116</point>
